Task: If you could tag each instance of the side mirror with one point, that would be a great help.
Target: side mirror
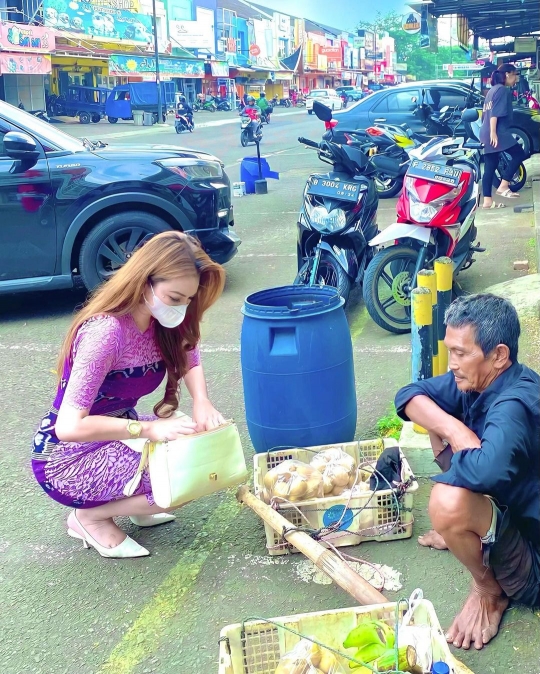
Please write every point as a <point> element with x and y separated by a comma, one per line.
<point>469,115</point>
<point>19,145</point>
<point>322,111</point>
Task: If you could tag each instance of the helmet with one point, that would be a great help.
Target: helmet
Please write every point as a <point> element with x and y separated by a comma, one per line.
<point>183,98</point>
<point>263,95</point>
<point>250,99</point>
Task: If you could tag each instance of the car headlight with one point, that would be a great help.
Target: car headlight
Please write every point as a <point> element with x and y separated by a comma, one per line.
<point>194,169</point>
<point>332,222</point>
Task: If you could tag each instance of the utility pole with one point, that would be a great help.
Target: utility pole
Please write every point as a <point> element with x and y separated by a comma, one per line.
<point>375,53</point>
<point>156,56</point>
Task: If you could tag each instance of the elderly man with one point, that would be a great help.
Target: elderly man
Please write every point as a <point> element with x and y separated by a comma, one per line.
<point>483,419</point>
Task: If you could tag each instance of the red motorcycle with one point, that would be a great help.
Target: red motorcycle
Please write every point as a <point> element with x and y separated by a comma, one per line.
<point>530,100</point>
<point>435,218</point>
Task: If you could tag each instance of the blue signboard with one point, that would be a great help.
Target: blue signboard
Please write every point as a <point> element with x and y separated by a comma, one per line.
<point>124,64</point>
<point>101,21</point>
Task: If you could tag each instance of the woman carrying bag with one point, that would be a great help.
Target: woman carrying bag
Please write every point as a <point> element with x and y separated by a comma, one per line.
<point>139,328</point>
<point>496,137</point>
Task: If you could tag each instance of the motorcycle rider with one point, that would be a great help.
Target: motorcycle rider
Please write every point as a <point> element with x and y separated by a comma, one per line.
<point>250,109</point>
<point>264,106</point>
<point>185,109</point>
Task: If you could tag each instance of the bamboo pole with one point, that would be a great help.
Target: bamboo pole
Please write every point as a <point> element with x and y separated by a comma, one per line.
<point>325,560</point>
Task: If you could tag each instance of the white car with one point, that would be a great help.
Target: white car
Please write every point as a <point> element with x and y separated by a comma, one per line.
<point>328,97</point>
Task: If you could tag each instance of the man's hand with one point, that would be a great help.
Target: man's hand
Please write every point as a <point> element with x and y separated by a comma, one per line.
<point>460,437</point>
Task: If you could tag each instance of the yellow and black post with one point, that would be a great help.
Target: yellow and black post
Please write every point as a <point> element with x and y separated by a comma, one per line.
<point>422,334</point>
<point>444,272</point>
<point>427,279</point>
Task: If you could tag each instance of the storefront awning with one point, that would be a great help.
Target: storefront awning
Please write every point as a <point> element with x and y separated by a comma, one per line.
<point>292,62</point>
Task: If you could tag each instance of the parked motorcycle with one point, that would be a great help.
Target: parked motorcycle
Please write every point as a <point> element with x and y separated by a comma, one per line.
<point>222,104</point>
<point>528,99</point>
<point>281,102</point>
<point>435,218</point>
<point>251,130</point>
<point>338,216</point>
<point>183,123</point>
<point>209,106</point>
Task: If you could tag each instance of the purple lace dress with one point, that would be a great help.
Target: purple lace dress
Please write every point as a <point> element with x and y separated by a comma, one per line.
<point>114,365</point>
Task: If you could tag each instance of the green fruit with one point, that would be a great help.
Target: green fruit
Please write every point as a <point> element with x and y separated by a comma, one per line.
<point>364,634</point>
<point>390,635</point>
<point>387,661</point>
<point>370,652</point>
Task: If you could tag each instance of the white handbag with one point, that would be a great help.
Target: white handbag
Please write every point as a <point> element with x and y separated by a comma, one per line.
<point>191,466</point>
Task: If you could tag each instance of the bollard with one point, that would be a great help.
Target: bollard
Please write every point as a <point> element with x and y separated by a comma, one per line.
<point>444,272</point>
<point>422,338</point>
<point>427,279</point>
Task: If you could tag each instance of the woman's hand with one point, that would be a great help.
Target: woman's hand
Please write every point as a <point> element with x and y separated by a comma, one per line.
<point>493,139</point>
<point>205,415</point>
<point>169,429</point>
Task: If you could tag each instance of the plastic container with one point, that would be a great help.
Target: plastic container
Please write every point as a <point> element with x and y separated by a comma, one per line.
<point>239,189</point>
<point>138,117</point>
<point>148,118</point>
<point>256,647</point>
<point>380,506</point>
<point>297,368</point>
<point>249,172</point>
<point>440,668</point>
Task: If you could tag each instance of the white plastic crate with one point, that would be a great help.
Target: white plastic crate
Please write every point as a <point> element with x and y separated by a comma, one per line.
<point>257,646</point>
<point>386,522</point>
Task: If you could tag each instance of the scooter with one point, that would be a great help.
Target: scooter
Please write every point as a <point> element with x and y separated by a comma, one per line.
<point>435,218</point>
<point>281,102</point>
<point>183,123</point>
<point>529,100</point>
<point>338,216</point>
<point>209,106</point>
<point>251,130</point>
<point>266,114</point>
<point>222,104</point>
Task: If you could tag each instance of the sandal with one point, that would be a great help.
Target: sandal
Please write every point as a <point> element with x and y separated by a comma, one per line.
<point>493,205</point>
<point>508,194</point>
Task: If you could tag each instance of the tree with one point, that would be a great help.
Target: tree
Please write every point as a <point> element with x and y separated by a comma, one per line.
<point>421,63</point>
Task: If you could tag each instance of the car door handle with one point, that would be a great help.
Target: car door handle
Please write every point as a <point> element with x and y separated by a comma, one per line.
<point>381,119</point>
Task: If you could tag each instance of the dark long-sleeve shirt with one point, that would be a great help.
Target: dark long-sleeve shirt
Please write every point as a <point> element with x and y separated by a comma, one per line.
<point>506,418</point>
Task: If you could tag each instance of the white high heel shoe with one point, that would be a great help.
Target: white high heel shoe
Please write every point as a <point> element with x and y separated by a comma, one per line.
<point>127,548</point>
<point>152,520</point>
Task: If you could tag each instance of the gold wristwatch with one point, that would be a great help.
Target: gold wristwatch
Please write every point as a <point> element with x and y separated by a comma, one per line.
<point>134,428</point>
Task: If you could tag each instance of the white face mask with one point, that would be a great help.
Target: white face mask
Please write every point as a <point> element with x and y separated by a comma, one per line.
<point>168,316</point>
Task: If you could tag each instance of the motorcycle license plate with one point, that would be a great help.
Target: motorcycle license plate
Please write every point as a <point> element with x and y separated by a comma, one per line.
<point>334,188</point>
<point>438,173</point>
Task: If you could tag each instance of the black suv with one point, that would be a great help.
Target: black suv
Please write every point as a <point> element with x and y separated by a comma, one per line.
<point>75,208</point>
<point>396,105</point>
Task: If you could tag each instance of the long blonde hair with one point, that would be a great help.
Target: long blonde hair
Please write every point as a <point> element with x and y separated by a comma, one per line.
<point>165,256</point>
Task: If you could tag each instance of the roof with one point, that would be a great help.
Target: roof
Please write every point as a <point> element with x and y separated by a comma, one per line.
<point>246,10</point>
<point>493,18</point>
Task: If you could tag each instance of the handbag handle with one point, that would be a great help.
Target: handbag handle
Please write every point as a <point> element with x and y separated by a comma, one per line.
<point>133,484</point>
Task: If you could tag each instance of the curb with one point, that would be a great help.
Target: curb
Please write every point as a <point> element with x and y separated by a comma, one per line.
<point>536,208</point>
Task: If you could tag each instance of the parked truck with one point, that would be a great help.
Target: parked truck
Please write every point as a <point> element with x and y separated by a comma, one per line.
<point>127,98</point>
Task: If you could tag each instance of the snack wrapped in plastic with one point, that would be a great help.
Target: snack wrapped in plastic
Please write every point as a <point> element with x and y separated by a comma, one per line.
<point>337,468</point>
<point>309,658</point>
<point>292,481</point>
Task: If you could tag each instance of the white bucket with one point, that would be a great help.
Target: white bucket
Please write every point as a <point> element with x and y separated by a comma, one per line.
<point>239,189</point>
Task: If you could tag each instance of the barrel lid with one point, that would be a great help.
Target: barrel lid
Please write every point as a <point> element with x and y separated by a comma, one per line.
<point>289,302</point>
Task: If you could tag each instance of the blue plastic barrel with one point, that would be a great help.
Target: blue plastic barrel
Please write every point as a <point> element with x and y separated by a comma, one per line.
<point>297,368</point>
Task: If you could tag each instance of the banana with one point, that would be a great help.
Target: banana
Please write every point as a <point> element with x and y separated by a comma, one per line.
<point>387,661</point>
<point>368,653</point>
<point>364,634</point>
<point>390,635</point>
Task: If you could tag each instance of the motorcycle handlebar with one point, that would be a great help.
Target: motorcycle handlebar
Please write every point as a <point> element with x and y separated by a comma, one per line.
<point>309,143</point>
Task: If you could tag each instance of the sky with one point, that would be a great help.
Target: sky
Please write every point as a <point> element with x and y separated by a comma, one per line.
<point>344,14</point>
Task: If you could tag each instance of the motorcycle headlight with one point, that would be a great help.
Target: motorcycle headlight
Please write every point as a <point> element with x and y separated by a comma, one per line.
<point>331,222</point>
<point>422,212</point>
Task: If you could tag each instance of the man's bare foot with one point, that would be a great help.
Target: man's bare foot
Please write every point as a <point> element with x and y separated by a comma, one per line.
<point>478,621</point>
<point>433,540</point>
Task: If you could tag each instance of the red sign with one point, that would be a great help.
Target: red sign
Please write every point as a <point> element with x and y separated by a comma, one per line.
<point>254,49</point>
<point>332,53</point>
<point>24,64</point>
<point>29,39</point>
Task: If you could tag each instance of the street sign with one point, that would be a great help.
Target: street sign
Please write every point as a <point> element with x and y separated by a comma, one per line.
<point>462,66</point>
<point>254,49</point>
<point>411,23</point>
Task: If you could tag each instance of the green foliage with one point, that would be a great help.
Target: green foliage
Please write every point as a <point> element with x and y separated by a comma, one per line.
<point>421,63</point>
<point>390,425</point>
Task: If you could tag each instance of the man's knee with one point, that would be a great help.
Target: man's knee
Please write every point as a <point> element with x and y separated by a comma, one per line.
<point>449,507</point>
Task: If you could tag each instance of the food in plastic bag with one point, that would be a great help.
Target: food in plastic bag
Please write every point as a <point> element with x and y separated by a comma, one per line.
<point>309,658</point>
<point>292,481</point>
<point>338,470</point>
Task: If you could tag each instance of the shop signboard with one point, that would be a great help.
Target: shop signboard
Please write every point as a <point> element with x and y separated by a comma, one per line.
<point>29,39</point>
<point>333,53</point>
<point>412,22</point>
<point>220,68</point>
<point>124,64</point>
<point>197,34</point>
<point>24,64</point>
<point>100,21</point>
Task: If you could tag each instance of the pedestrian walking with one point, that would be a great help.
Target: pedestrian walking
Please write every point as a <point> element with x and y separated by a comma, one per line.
<point>496,136</point>
<point>294,97</point>
<point>140,327</point>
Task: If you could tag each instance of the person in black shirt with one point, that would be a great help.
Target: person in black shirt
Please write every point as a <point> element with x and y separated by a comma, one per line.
<point>483,419</point>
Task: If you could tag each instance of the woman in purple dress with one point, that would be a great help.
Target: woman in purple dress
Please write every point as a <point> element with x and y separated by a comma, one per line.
<point>142,325</point>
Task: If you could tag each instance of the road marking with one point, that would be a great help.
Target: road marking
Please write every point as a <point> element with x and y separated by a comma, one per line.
<point>143,637</point>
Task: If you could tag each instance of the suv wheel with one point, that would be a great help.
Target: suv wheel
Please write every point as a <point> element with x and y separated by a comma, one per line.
<point>112,242</point>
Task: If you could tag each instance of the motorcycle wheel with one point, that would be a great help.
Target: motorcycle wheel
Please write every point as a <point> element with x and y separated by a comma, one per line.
<point>212,108</point>
<point>520,176</point>
<point>330,273</point>
<point>386,288</point>
<point>388,187</point>
<point>178,129</point>
<point>244,139</point>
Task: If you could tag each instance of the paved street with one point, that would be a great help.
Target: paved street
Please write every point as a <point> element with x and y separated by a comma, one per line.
<point>67,610</point>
